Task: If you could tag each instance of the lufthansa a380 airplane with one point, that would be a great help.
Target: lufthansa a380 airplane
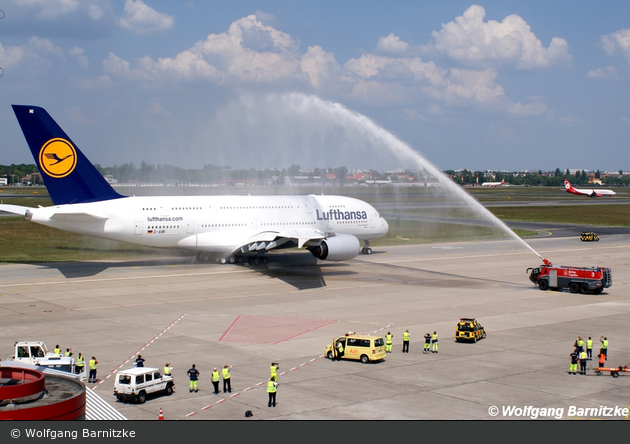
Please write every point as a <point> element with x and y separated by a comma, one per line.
<point>590,193</point>
<point>222,228</point>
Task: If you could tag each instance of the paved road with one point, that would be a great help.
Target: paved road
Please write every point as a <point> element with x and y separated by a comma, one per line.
<point>175,310</point>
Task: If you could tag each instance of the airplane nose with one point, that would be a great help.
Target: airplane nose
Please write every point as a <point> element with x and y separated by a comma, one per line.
<point>384,226</point>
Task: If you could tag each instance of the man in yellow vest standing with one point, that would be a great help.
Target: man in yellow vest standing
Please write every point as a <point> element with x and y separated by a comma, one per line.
<point>583,360</point>
<point>589,348</point>
<point>57,350</point>
<point>80,364</point>
<point>604,347</point>
<point>274,371</point>
<point>272,388</point>
<point>406,336</point>
<point>216,377</point>
<point>168,369</point>
<point>227,379</point>
<point>388,342</point>
<point>92,363</point>
<point>434,342</point>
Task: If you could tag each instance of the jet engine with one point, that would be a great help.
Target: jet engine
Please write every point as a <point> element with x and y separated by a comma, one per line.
<point>341,247</point>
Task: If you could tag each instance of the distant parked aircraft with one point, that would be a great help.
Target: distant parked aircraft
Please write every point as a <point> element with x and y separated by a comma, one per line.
<point>585,192</point>
<point>493,184</point>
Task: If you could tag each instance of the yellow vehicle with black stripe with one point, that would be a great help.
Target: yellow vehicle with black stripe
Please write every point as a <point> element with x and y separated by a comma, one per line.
<point>469,330</point>
<point>588,236</point>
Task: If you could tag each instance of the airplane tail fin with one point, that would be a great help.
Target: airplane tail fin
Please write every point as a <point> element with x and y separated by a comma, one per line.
<point>502,181</point>
<point>68,174</point>
<point>567,185</point>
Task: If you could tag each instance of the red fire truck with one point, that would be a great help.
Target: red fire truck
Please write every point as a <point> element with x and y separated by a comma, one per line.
<point>577,279</point>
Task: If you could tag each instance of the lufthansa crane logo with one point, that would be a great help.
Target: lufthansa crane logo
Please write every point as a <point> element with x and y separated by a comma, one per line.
<point>57,158</point>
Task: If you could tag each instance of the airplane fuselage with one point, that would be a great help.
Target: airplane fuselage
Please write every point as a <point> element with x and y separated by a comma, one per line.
<point>212,223</point>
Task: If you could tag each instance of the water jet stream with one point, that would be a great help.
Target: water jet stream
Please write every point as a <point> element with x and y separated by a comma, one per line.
<point>404,153</point>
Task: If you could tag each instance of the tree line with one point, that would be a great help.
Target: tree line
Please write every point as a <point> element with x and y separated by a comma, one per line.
<point>538,178</point>
<point>150,173</point>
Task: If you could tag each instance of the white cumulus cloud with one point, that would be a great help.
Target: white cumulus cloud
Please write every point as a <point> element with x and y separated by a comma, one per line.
<point>391,43</point>
<point>617,42</point>
<point>143,19</point>
<point>468,39</point>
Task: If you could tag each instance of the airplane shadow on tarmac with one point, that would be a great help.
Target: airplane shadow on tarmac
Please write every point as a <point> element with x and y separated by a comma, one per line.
<point>300,270</point>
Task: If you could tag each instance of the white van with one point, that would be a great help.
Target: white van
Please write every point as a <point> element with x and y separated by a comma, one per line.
<point>136,383</point>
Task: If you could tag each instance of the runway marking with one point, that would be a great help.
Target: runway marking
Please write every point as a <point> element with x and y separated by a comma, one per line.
<point>131,357</point>
<point>21,286</point>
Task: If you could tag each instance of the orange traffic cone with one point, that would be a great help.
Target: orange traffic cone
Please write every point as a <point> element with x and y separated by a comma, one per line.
<point>161,417</point>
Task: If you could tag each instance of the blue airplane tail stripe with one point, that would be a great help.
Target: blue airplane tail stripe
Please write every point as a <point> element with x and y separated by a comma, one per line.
<point>68,175</point>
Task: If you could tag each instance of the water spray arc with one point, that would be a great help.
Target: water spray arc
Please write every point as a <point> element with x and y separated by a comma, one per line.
<point>403,152</point>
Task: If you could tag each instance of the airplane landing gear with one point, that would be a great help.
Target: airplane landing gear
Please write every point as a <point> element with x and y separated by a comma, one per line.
<point>366,248</point>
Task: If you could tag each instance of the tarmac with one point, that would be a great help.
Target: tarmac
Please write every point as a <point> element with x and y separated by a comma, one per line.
<point>172,309</point>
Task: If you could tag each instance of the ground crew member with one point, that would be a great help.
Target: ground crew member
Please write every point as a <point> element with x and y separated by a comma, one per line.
<point>427,343</point>
<point>93,365</point>
<point>274,370</point>
<point>602,360</point>
<point>388,342</point>
<point>604,346</point>
<point>167,369</point>
<point>227,378</point>
<point>434,342</point>
<point>193,374</point>
<point>579,343</point>
<point>574,362</point>
<point>216,377</point>
<point>272,388</point>
<point>68,352</point>
<point>80,363</point>
<point>406,341</point>
<point>139,361</point>
<point>583,360</point>
<point>57,350</point>
<point>339,350</point>
<point>589,348</point>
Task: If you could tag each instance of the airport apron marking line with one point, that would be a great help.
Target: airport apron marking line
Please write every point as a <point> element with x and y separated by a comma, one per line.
<point>248,389</point>
<point>126,361</point>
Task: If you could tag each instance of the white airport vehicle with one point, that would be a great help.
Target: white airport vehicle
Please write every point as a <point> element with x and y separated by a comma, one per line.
<point>36,353</point>
<point>135,384</point>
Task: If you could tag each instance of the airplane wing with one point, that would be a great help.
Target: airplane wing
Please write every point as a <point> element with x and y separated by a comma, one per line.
<point>272,239</point>
<point>14,209</point>
<point>77,217</point>
<point>229,242</point>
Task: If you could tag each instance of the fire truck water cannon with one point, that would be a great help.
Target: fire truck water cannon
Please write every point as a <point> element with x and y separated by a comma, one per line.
<point>582,280</point>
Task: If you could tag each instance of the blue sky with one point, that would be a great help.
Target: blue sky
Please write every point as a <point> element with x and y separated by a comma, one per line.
<point>491,85</point>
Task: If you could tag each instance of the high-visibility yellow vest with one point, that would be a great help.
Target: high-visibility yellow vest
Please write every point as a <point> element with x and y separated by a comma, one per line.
<point>589,343</point>
<point>583,355</point>
<point>215,376</point>
<point>271,387</point>
<point>605,344</point>
<point>340,348</point>
<point>57,351</point>
<point>406,336</point>
<point>92,364</point>
<point>274,371</point>
<point>80,362</point>
<point>167,370</point>
<point>226,373</point>
<point>580,343</point>
<point>389,339</point>
<point>434,337</point>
